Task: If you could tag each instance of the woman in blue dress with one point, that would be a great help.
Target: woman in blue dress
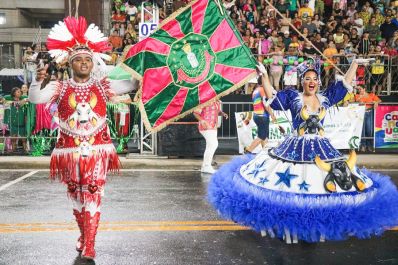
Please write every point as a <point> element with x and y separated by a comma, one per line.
<point>305,189</point>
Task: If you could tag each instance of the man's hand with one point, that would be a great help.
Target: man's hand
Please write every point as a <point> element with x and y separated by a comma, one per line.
<point>42,73</point>
<point>261,68</point>
<point>273,118</point>
<point>204,124</point>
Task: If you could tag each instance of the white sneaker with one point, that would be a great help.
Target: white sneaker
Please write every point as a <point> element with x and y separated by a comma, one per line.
<point>208,170</point>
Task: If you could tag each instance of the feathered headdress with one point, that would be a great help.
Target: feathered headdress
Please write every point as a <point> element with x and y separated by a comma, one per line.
<point>71,37</point>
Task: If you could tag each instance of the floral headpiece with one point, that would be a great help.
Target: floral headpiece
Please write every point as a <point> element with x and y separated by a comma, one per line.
<point>310,65</point>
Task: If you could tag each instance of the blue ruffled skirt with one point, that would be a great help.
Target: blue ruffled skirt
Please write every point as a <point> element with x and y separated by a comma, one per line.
<point>306,216</point>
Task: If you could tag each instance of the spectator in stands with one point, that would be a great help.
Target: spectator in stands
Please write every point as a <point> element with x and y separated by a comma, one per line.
<point>246,36</point>
<point>371,101</point>
<point>297,22</point>
<point>131,31</point>
<point>118,16</point>
<point>377,80</point>
<point>358,24</point>
<point>337,11</point>
<point>373,29</point>
<point>319,7</point>
<point>379,17</point>
<point>309,25</point>
<point>354,37</point>
<point>305,11</point>
<point>131,11</point>
<point>387,29</point>
<point>318,43</point>
<point>308,50</point>
<point>294,5</point>
<point>115,40</point>
<point>318,23</point>
<point>368,8</point>
<point>282,7</point>
<point>262,26</point>
<point>24,90</point>
<point>331,24</point>
<point>276,68</point>
<point>274,38</point>
<point>115,26</point>
<point>264,45</point>
<point>393,42</point>
<point>364,15</point>
<point>29,61</point>
<point>338,38</point>
<point>328,7</point>
<point>290,75</point>
<point>284,24</point>
<point>364,44</point>
<point>330,53</point>
<point>351,11</point>
<point>15,117</point>
<point>252,44</point>
<point>286,40</point>
<point>395,20</point>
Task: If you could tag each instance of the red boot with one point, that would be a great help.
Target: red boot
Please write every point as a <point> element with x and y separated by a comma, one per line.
<point>80,222</point>
<point>90,231</point>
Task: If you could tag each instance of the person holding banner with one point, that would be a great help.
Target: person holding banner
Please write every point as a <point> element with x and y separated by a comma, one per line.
<point>305,189</point>
<point>371,101</point>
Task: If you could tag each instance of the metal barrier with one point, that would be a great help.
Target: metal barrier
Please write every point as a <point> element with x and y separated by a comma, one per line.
<point>228,127</point>
<point>18,123</point>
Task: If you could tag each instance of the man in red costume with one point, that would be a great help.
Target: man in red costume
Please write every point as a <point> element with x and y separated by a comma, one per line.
<point>84,152</point>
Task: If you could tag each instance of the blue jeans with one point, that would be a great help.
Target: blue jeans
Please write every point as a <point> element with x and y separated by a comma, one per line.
<point>368,128</point>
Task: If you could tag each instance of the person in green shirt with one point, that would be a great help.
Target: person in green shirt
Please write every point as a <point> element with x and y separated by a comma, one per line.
<point>294,5</point>
<point>15,116</point>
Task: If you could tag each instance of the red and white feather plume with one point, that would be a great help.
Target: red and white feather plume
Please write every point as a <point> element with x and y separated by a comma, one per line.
<point>65,36</point>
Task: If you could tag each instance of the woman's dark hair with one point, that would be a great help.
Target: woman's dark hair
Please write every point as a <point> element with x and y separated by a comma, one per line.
<point>14,90</point>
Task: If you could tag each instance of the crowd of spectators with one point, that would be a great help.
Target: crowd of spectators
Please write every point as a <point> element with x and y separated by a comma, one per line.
<point>339,29</point>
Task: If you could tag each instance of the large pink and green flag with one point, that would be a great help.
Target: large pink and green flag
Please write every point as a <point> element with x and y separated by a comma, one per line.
<point>194,57</point>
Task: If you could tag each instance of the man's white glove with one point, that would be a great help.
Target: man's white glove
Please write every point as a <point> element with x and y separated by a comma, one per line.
<point>364,61</point>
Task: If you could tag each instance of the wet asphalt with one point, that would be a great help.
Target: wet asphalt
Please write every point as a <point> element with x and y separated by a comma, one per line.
<point>155,217</point>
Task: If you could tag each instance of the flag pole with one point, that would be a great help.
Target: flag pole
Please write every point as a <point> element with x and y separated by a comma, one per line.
<point>220,6</point>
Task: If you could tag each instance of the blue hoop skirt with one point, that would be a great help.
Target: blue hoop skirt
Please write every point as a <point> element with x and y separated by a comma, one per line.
<point>278,193</point>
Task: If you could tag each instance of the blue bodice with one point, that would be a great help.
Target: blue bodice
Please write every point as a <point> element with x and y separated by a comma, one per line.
<point>292,99</point>
<point>303,147</point>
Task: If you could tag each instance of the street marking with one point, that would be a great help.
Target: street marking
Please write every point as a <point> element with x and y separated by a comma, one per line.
<point>18,180</point>
<point>157,170</point>
<point>126,226</point>
<point>211,225</point>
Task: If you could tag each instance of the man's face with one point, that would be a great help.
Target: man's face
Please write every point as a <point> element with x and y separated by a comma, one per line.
<point>82,65</point>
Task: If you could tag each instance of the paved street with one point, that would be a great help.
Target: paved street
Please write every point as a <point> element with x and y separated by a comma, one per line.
<point>154,217</point>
